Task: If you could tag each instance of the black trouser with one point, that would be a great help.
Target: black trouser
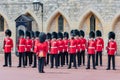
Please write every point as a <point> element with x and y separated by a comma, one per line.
<point>113,61</point>
<point>7,57</point>
<point>66,57</point>
<point>99,54</point>
<point>82,57</point>
<point>41,63</point>
<point>78,58</point>
<point>61,58</point>
<point>58,61</point>
<point>54,56</point>
<point>34,59</point>
<point>93,60</point>
<point>21,58</point>
<point>28,55</point>
<point>72,59</point>
<point>47,59</point>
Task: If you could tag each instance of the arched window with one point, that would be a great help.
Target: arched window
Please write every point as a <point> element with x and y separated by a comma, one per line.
<point>60,23</point>
<point>1,23</point>
<point>92,23</point>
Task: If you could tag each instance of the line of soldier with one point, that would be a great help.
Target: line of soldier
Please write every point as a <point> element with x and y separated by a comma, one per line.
<point>58,48</point>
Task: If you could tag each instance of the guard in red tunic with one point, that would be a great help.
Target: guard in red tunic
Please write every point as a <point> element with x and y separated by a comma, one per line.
<point>54,50</point>
<point>83,47</point>
<point>48,39</point>
<point>72,50</point>
<point>91,46</point>
<point>35,49</point>
<point>78,46</point>
<point>28,55</point>
<point>33,43</point>
<point>8,45</point>
<point>42,49</point>
<point>21,48</point>
<point>99,46</point>
<point>111,50</point>
<point>60,49</point>
<point>66,42</point>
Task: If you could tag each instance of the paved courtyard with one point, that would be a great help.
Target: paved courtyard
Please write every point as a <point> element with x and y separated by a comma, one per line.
<point>62,73</point>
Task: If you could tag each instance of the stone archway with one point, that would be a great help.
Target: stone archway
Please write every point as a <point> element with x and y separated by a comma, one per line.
<point>52,22</point>
<point>116,29</point>
<point>85,22</point>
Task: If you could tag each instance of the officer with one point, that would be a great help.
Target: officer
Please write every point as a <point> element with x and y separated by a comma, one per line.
<point>54,50</point>
<point>21,48</point>
<point>42,49</point>
<point>48,39</point>
<point>83,47</point>
<point>60,49</point>
<point>111,50</point>
<point>35,49</point>
<point>91,49</point>
<point>72,50</point>
<point>66,42</point>
<point>28,55</point>
<point>99,46</point>
<point>78,46</point>
<point>8,45</point>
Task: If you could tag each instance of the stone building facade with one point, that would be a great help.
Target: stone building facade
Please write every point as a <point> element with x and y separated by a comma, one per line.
<point>76,14</point>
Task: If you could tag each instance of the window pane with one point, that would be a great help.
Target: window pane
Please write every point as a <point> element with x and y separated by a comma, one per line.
<point>60,23</point>
<point>92,23</point>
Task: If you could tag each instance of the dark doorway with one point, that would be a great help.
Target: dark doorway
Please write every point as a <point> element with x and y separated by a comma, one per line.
<point>92,23</point>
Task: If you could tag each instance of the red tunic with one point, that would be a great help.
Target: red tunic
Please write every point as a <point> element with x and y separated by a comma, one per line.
<point>8,45</point>
<point>111,47</point>
<point>35,45</point>
<point>73,46</point>
<point>91,46</point>
<point>21,45</point>
<point>49,44</point>
<point>99,44</point>
<point>66,42</point>
<point>83,43</point>
<point>28,45</point>
<point>42,49</point>
<point>60,45</point>
<point>54,47</point>
<point>78,44</point>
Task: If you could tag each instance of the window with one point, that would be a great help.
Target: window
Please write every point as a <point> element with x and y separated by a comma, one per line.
<point>60,23</point>
<point>1,23</point>
<point>92,23</point>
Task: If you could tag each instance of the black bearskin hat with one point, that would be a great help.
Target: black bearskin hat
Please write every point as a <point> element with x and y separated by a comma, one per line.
<point>32,34</point>
<point>111,35</point>
<point>66,35</point>
<point>42,37</point>
<point>21,33</point>
<point>98,33</point>
<point>77,32</point>
<point>60,35</point>
<point>92,34</point>
<point>82,33</point>
<point>48,36</point>
<point>72,33</point>
<point>54,35</point>
<point>37,33</point>
<point>8,33</point>
<point>28,34</point>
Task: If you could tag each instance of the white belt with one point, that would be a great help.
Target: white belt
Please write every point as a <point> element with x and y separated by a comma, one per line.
<point>78,45</point>
<point>83,44</point>
<point>60,46</point>
<point>99,45</point>
<point>72,46</point>
<point>53,47</point>
<point>112,48</point>
<point>21,45</point>
<point>7,45</point>
<point>66,45</point>
<point>91,47</point>
<point>28,45</point>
